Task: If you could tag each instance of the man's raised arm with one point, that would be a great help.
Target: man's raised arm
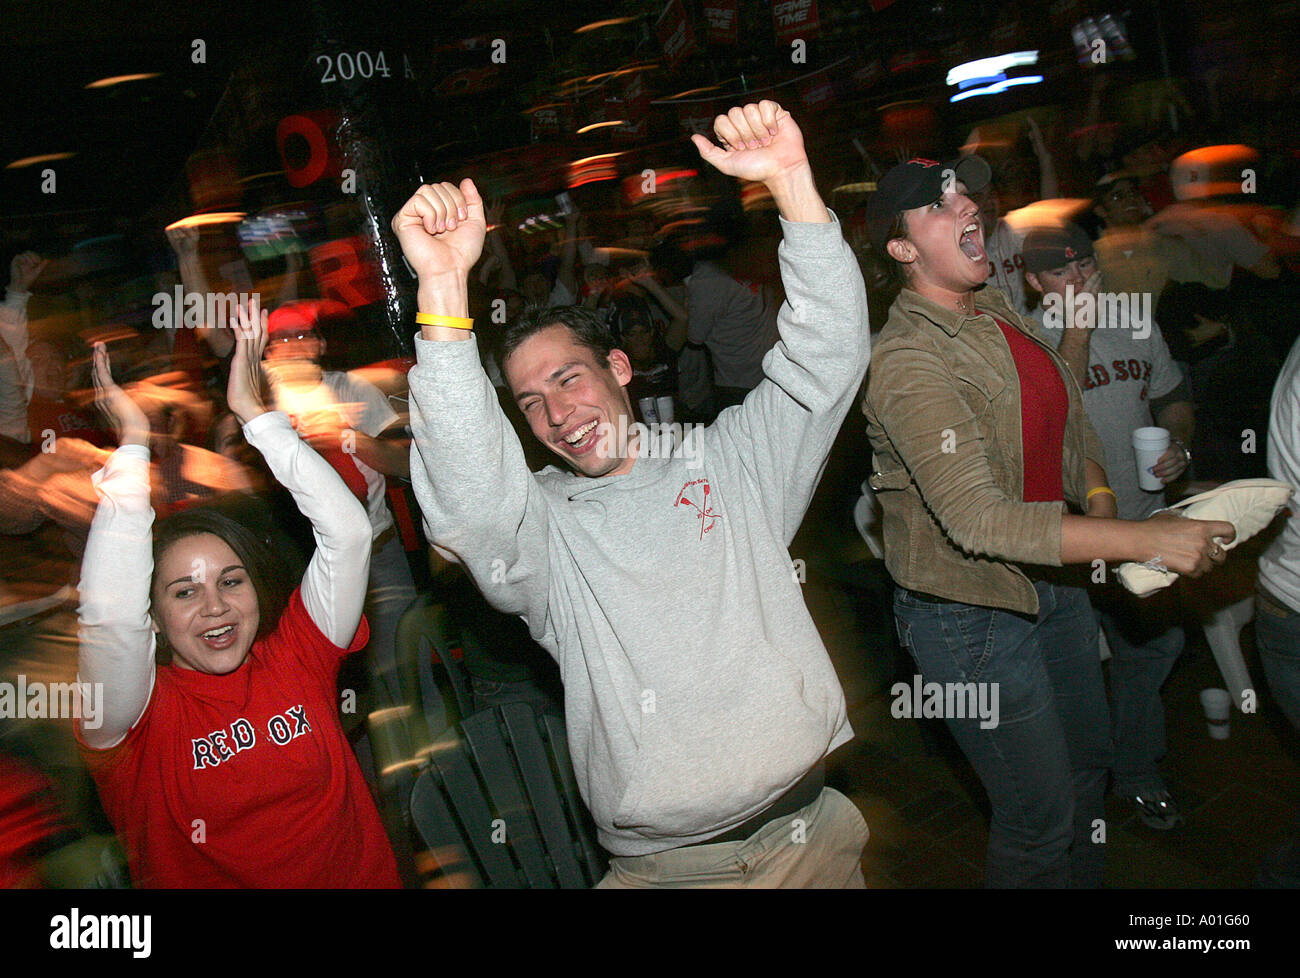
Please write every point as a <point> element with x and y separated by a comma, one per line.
<point>478,498</point>
<point>784,430</point>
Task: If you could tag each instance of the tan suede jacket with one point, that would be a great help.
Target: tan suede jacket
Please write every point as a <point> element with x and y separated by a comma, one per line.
<point>943,416</point>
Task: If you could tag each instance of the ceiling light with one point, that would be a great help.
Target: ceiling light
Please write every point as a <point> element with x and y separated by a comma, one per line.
<point>602,125</point>
<point>973,71</point>
<point>201,220</point>
<point>997,87</point>
<point>598,24</point>
<point>33,160</point>
<point>119,79</point>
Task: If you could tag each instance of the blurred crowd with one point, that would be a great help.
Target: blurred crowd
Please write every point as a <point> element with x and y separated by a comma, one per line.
<point>1203,224</point>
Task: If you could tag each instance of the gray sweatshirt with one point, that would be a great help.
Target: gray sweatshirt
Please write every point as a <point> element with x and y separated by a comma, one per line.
<point>697,689</point>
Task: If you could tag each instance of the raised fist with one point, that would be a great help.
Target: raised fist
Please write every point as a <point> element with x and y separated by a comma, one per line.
<point>441,229</point>
<point>759,141</point>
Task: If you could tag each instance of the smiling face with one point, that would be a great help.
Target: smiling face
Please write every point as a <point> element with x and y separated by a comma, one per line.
<point>566,394</point>
<point>293,357</point>
<point>1053,281</point>
<point>205,604</point>
<point>1122,205</point>
<point>944,247</point>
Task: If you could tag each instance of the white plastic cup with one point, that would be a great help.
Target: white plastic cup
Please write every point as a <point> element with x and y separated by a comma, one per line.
<point>648,413</point>
<point>1148,445</point>
<point>1217,704</point>
<point>664,409</point>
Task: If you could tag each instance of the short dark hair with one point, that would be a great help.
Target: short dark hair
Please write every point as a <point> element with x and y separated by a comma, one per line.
<point>627,303</point>
<point>251,544</point>
<point>587,327</point>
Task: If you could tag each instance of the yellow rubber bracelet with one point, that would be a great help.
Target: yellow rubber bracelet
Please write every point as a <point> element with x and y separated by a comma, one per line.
<point>1093,492</point>
<point>455,322</point>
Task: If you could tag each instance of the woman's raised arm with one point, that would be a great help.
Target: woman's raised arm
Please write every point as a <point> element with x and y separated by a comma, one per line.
<point>334,585</point>
<point>116,654</point>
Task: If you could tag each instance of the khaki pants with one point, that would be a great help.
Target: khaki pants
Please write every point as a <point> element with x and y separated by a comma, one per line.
<point>820,846</point>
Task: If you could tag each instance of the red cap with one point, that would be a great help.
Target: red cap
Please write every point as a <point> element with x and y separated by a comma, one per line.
<point>302,316</point>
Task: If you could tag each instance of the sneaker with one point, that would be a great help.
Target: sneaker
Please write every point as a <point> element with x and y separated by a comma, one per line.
<point>1158,810</point>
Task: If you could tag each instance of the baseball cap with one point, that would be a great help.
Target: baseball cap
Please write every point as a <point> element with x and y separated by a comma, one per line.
<point>1047,248</point>
<point>303,316</point>
<point>1211,171</point>
<point>916,183</point>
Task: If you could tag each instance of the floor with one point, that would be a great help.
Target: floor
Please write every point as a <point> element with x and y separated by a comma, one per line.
<point>926,809</point>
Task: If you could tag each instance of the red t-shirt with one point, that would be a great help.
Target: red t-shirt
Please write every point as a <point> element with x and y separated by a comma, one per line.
<point>65,421</point>
<point>246,779</point>
<point>1044,406</point>
<point>28,821</point>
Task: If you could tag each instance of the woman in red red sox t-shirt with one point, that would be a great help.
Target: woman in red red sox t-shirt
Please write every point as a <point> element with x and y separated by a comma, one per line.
<point>228,767</point>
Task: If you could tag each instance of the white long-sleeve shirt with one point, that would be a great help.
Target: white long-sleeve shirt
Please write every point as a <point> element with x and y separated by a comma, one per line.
<point>1279,565</point>
<point>117,639</point>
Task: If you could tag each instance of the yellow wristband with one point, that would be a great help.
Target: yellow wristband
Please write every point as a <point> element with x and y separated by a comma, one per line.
<point>1094,491</point>
<point>455,322</point>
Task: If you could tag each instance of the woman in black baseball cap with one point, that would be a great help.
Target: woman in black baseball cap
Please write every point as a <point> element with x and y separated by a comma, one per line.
<point>982,454</point>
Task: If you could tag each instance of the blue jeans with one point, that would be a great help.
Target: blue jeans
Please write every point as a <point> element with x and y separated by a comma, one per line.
<point>1145,641</point>
<point>1277,635</point>
<point>1044,763</point>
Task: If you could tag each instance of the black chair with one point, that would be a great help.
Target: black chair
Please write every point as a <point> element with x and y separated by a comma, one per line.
<point>430,663</point>
<point>498,806</point>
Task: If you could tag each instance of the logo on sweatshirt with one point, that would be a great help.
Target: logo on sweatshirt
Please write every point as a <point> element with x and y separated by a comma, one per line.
<point>695,494</point>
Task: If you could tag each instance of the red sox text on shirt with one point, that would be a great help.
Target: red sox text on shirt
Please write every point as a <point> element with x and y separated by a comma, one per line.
<point>222,745</point>
<point>1131,369</point>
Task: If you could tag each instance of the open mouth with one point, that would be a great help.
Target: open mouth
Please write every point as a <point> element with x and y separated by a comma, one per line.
<point>971,242</point>
<point>220,638</point>
<point>582,438</point>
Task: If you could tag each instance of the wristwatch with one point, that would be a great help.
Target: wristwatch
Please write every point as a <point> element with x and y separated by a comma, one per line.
<point>1187,452</point>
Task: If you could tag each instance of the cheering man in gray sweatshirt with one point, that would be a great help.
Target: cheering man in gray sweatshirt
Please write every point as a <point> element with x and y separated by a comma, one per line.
<point>699,699</point>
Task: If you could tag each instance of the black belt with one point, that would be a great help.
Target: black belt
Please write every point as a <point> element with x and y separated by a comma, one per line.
<point>801,795</point>
<point>933,598</point>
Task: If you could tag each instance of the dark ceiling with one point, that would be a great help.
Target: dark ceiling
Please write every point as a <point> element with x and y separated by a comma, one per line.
<point>131,141</point>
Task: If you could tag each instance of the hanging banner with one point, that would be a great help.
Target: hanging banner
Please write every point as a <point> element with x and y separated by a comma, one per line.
<point>723,19</point>
<point>818,92</point>
<point>308,147</point>
<point>795,19</point>
<point>633,108</point>
<point>545,122</point>
<point>674,31</point>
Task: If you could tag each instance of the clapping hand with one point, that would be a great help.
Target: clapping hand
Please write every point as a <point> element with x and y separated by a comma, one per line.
<point>126,417</point>
<point>244,392</point>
